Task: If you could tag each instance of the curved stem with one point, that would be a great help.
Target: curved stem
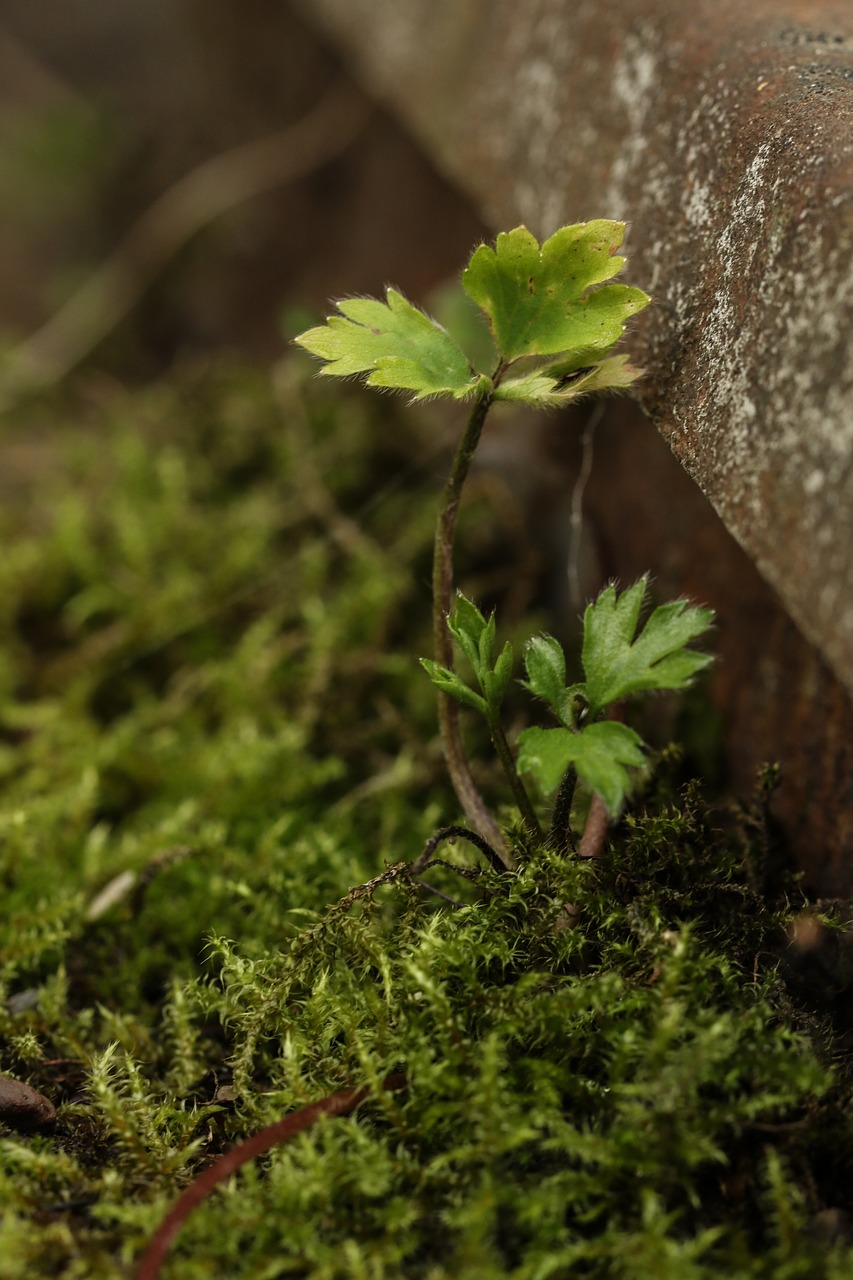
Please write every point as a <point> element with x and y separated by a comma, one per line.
<point>473,804</point>
<point>455,833</point>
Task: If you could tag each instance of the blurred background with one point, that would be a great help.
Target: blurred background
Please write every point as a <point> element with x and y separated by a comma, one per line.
<point>176,176</point>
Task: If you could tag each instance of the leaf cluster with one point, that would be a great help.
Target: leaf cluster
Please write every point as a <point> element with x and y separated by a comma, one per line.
<point>619,662</point>
<point>475,636</point>
<point>553,320</point>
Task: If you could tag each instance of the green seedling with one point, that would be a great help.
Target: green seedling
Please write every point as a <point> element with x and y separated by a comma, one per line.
<point>554,321</point>
<point>618,663</point>
<point>475,636</point>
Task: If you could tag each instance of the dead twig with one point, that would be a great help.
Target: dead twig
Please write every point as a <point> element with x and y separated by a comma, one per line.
<point>573,571</point>
<point>336,1104</point>
<point>456,833</point>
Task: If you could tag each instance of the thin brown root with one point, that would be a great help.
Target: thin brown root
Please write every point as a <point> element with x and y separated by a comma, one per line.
<point>336,1104</point>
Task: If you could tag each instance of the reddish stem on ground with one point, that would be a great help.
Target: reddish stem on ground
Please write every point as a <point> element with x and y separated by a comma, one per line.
<point>336,1104</point>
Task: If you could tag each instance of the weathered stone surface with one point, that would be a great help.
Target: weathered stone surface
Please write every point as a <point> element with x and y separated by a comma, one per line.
<point>722,131</point>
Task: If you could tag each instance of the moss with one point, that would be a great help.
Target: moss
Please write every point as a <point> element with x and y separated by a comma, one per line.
<point>208,600</point>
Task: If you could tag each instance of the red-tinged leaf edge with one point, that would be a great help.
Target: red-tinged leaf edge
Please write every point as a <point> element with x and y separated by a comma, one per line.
<point>336,1104</point>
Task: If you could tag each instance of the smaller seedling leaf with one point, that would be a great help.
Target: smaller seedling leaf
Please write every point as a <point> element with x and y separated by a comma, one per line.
<point>601,753</point>
<point>534,388</point>
<point>545,664</point>
<point>475,635</point>
<point>395,344</point>
<point>551,299</point>
<point>551,388</point>
<point>613,374</point>
<point>501,675</point>
<point>451,684</point>
<point>472,632</point>
<point>617,665</point>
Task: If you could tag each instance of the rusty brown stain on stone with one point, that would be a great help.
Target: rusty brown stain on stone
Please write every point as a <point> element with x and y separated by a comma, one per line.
<point>23,1107</point>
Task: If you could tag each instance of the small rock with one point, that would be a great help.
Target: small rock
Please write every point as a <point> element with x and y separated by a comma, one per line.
<point>22,1107</point>
<point>832,1226</point>
<point>23,1000</point>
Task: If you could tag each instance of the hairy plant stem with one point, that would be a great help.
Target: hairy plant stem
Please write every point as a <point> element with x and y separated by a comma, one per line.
<point>522,799</point>
<point>473,805</point>
<point>560,835</point>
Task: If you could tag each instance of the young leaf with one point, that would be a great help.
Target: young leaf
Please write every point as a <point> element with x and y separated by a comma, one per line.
<point>541,301</point>
<point>618,665</point>
<point>499,677</point>
<point>601,753</point>
<point>395,344</point>
<point>585,375</point>
<point>534,388</point>
<point>545,664</point>
<point>552,387</point>
<point>475,636</point>
<point>450,683</point>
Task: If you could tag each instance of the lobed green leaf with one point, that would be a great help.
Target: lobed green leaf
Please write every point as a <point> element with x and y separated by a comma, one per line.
<point>601,753</point>
<point>475,635</point>
<point>617,665</point>
<point>501,675</point>
<point>544,300</point>
<point>552,387</point>
<point>395,344</point>
<point>545,664</point>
